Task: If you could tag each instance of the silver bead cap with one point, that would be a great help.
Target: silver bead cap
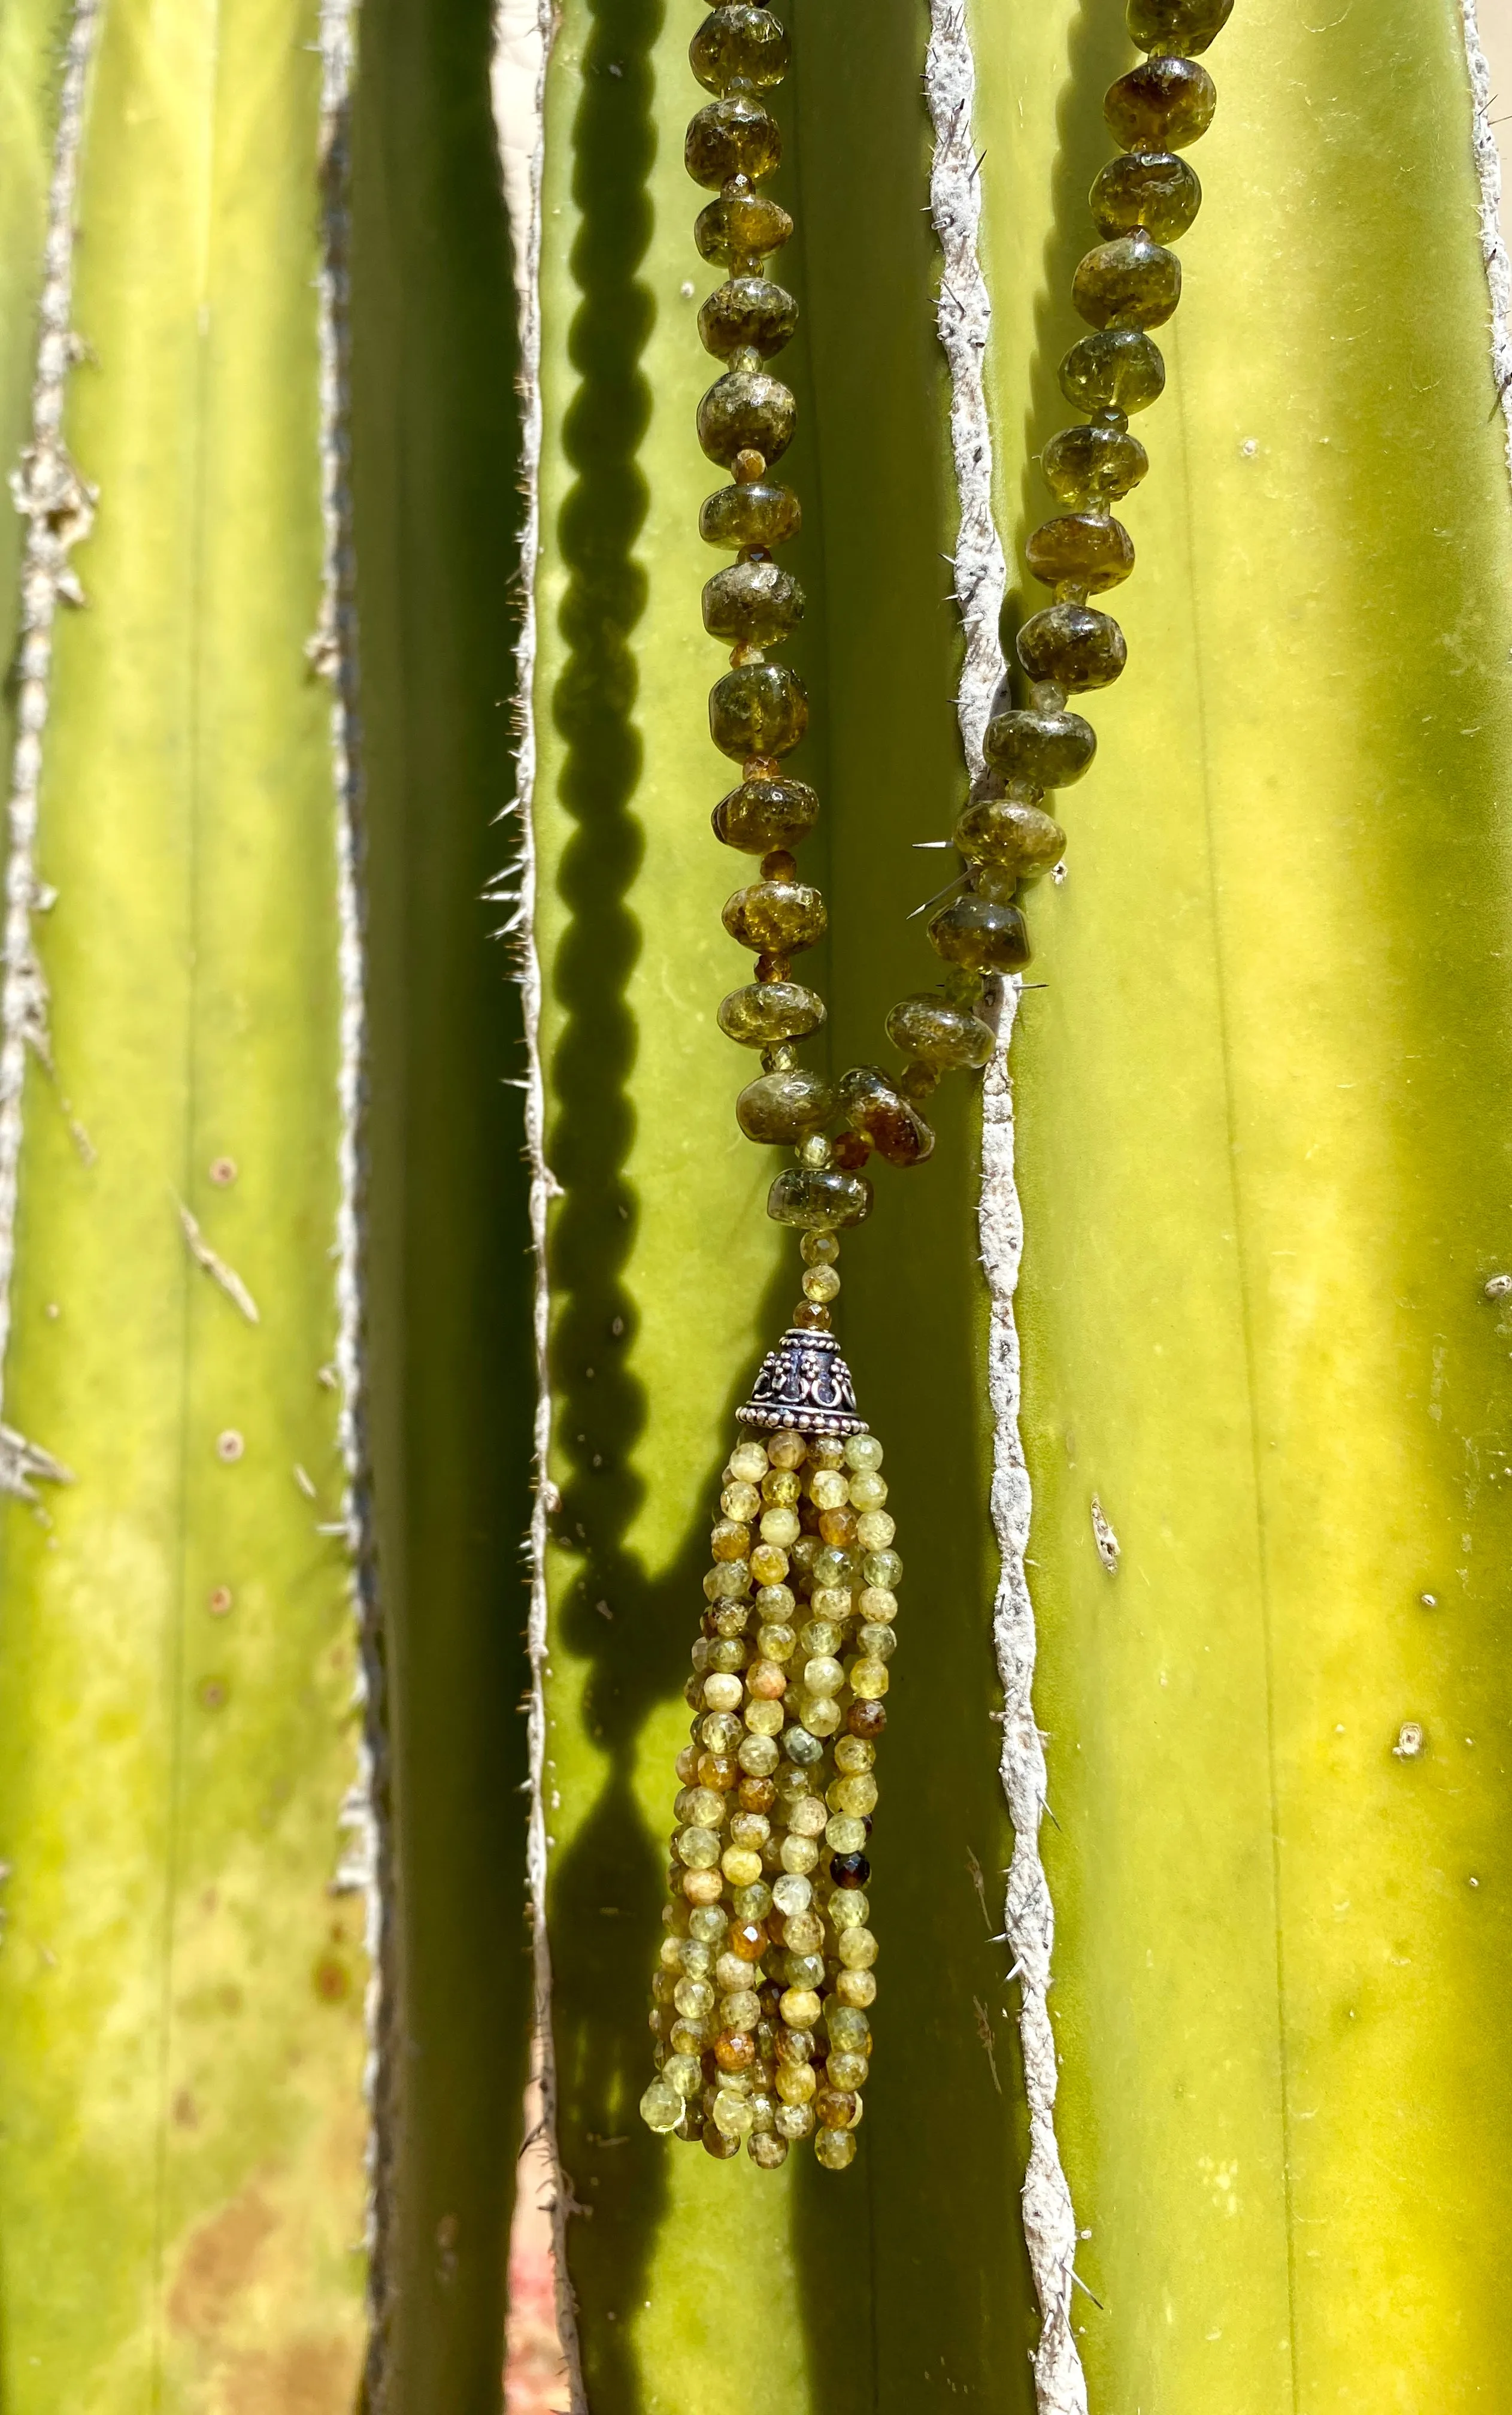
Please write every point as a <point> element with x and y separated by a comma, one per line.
<point>804,1385</point>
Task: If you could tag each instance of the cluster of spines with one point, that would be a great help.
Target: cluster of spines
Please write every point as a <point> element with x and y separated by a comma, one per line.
<point>762,2002</point>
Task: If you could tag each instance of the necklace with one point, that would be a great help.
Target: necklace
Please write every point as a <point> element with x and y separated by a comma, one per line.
<point>763,1999</point>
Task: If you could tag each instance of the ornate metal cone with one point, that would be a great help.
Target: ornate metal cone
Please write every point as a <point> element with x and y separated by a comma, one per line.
<point>805,1384</point>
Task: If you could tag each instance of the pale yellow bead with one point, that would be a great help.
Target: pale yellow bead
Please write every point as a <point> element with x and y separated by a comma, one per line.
<point>855,1988</point>
<point>661,2108</point>
<point>835,2149</point>
<point>766,2152</point>
<point>740,2009</point>
<point>787,1449</point>
<point>699,1848</point>
<point>796,2084</point>
<point>831,1604</point>
<point>776,1642</point>
<point>683,2072</point>
<point>821,1284</point>
<point>671,1954</point>
<point>740,1501</point>
<point>764,1718</point>
<point>857,1949</point>
<point>856,1795</point>
<point>794,2120</point>
<point>732,2114</point>
<point>844,1835</point>
<point>823,1675</point>
<point>873,1531</point>
<point>847,2071</point>
<point>723,1693</point>
<point>703,1886</point>
<point>807,1817</point>
<point>822,1715</point>
<point>782,1488</point>
<point>731,1973</point>
<point>829,1489</point>
<point>780,1527</point>
<point>804,1932</point>
<point>877,1642</point>
<point>799,1854</point>
<point>878,1605</point>
<point>853,1753</point>
<point>799,2007</point>
<point>846,1907</point>
<point>748,1463</point>
<point>868,1491</point>
<point>739,1866</point>
<point>864,1451</point>
<point>694,1998</point>
<point>750,1828</point>
<point>868,1680</point>
<point>700,1807</point>
<point>768,1563</point>
<point>791,1894</point>
<point>758,1754</point>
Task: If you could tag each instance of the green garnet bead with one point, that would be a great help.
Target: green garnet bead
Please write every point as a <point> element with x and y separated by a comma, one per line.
<point>762,814</point>
<point>1161,105</point>
<point>1131,282</point>
<point>776,918</point>
<point>756,604</point>
<point>740,228</point>
<point>752,314</point>
<point>1153,189</point>
<point>1118,370</point>
<point>1073,645</point>
<point>739,45</point>
<point>1023,841</point>
<point>1051,749</point>
<point>885,1119</point>
<point>981,934</point>
<point>733,138</point>
<point>817,1199</point>
<point>756,515</point>
<point>764,1012</point>
<point>746,412</point>
<point>1082,549</point>
<point>1183,27</point>
<point>757,709</point>
<point>784,1106</point>
<point>1093,465</point>
<point>931,1031</point>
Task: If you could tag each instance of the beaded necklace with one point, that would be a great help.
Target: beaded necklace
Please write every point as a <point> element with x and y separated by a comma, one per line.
<point>763,2001</point>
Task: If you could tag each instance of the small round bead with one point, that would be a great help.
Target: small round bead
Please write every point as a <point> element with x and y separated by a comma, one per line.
<point>751,604</point>
<point>1130,282</point>
<point>851,1869</point>
<point>739,45</point>
<point>782,1107</point>
<point>856,1988</point>
<point>858,1949</point>
<point>741,227</point>
<point>750,515</point>
<point>1021,839</point>
<point>1183,27</point>
<point>683,2072</point>
<point>844,1833</point>
<point>776,914</point>
<point>768,1563</point>
<point>763,1719</point>
<point>1161,105</point>
<point>837,2108</point>
<point>794,2120</point>
<point>748,1462</point>
<point>863,1450</point>
<point>801,2007</point>
<point>1049,749</point>
<point>767,2148</point>
<point>661,2108</point>
<point>876,1643</point>
<point>753,314</point>
<point>766,1681</point>
<point>818,1249</point>
<point>818,1198</point>
<point>1154,189</point>
<point>758,1754</point>
<point>869,1680</point>
<point>798,1856</point>
<point>821,1284</point>
<point>740,1501</point>
<point>885,1120</point>
<point>973,931</point>
<point>850,2071</point>
<point>928,1027</point>
<point>1119,368</point>
<point>732,2114</point>
<point>835,2149</point>
<point>855,1795</point>
<point>746,411</point>
<point>734,2050</point>
<point>730,1539</point>
<point>757,709</point>
<point>734,138</point>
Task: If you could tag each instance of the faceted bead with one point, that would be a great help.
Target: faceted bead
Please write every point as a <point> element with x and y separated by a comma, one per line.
<point>1183,27</point>
<point>741,227</point>
<point>929,1028</point>
<point>869,1680</point>
<point>873,1107</point>
<point>747,1940</point>
<point>848,2071</point>
<point>1161,105</point>
<point>766,2149</point>
<point>834,2149</point>
<point>746,411</point>
<point>1130,282</point>
<point>748,1462</point>
<point>730,1539</point>
<point>855,1988</point>
<point>736,138</point>
<point>851,1869</point>
<point>795,2121</point>
<point>852,1753</point>
<point>777,916</point>
<point>732,2114</point>
<point>754,603</point>
<point>787,1450</point>
<point>876,1643</point>
<point>1019,839</point>
<point>752,515</point>
<point>782,1107</point>
<point>762,814</point>
<point>863,1450</point>
<point>661,2108</point>
<point>740,1501</point>
<point>882,1569</point>
<point>845,1835</point>
<point>803,1932</point>
<point>757,709</point>
<point>1073,645</point>
<point>758,1753</point>
<point>803,1747</point>
<point>1119,368</point>
<point>858,1949</point>
<point>1154,189</point>
<point>818,1249</point>
<point>836,2110</point>
<point>801,2007</point>
<point>990,939</point>
<point>683,2072</point>
<point>734,2050</point>
<point>753,314</point>
<point>1091,466</point>
<point>739,45</point>
<point>818,1198</point>
<point>821,1284</point>
<point>855,1795</point>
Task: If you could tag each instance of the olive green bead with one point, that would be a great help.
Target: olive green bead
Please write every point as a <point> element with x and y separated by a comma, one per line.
<point>741,227</point>
<point>732,138</point>
<point>818,1199</point>
<point>752,314</point>
<point>873,1107</point>
<point>1131,282</point>
<point>766,1011</point>
<point>756,515</point>
<point>1183,27</point>
<point>1118,369</point>
<point>746,412</point>
<point>988,938</point>
<point>739,45</point>
<point>785,1108</point>
<point>1153,189</point>
<point>1082,548</point>
<point>757,709</point>
<point>752,604</point>
<point>1161,105</point>
<point>1052,749</point>
<point>933,1032</point>
<point>761,815</point>
<point>776,917</point>
<point>1093,465</point>
<point>1024,840</point>
<point>1073,645</point>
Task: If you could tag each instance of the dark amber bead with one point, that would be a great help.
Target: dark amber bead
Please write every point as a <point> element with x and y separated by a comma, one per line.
<point>1073,645</point>
<point>818,1199</point>
<point>760,814</point>
<point>1091,465</point>
<point>716,2143</point>
<point>746,412</point>
<point>1081,548</point>
<point>1118,369</point>
<point>1153,189</point>
<point>866,1719</point>
<point>973,931</point>
<point>764,1013</point>
<point>732,137</point>
<point>1161,105</point>
<point>756,1794</point>
<point>754,604</point>
<point>851,1869</point>
<point>757,709</point>
<point>739,45</point>
<point>749,1939</point>
<point>1003,830</point>
<point>752,314</point>
<point>752,515</point>
<point>836,2108</point>
<point>735,2050</point>
<point>935,1033</point>
<point>778,916</point>
<point>1051,749</point>
<point>1131,282</point>
<point>785,1108</point>
<point>885,1121</point>
<point>740,228</point>
<point>1183,27</point>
